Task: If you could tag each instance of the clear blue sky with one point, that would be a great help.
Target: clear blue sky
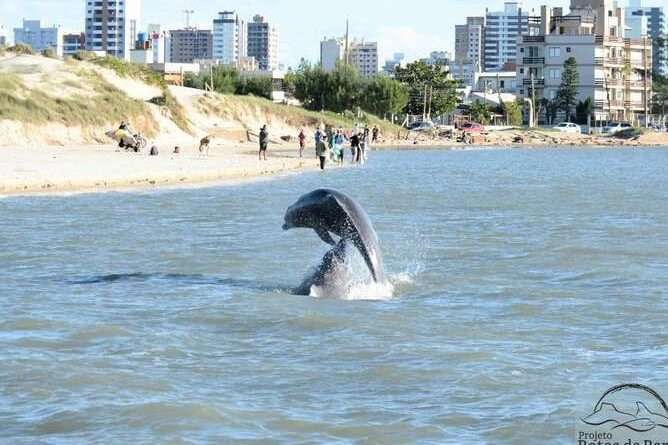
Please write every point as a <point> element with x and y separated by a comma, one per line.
<point>415,28</point>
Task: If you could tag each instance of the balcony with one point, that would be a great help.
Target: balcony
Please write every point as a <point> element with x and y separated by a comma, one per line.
<point>533,39</point>
<point>538,83</point>
<point>533,60</point>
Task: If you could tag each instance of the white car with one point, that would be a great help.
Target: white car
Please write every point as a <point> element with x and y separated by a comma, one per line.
<point>616,127</point>
<point>568,127</point>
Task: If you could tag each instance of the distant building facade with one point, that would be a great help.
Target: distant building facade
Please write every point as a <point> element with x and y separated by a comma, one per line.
<point>187,45</point>
<point>112,26</point>
<point>649,22</point>
<point>469,50</point>
<point>364,57</point>
<point>332,51</point>
<point>438,58</point>
<point>391,65</point>
<point>502,30</point>
<point>263,43</point>
<point>229,38</point>
<point>614,70</point>
<point>40,38</point>
<point>73,43</point>
<point>3,36</point>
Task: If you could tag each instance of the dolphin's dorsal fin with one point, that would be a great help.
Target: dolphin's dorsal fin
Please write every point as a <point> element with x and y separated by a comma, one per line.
<point>325,236</point>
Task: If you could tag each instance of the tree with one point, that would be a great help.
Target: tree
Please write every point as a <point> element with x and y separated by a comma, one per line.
<point>480,113</point>
<point>568,90</point>
<point>583,111</point>
<point>255,86</point>
<point>384,95</point>
<point>513,112</point>
<point>422,80</point>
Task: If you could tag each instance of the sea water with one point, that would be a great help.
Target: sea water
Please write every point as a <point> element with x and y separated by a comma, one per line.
<point>519,280</point>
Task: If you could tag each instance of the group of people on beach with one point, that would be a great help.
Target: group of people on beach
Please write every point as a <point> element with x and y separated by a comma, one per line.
<point>330,143</point>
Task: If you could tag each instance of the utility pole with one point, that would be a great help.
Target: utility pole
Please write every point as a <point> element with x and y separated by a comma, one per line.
<point>188,13</point>
<point>424,107</point>
<point>533,99</point>
<point>645,98</point>
<point>347,50</point>
<point>431,95</point>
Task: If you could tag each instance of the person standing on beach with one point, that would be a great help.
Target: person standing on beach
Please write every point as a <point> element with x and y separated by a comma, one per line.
<point>339,140</point>
<point>355,146</point>
<point>319,137</point>
<point>322,152</point>
<point>374,134</point>
<point>302,142</point>
<point>264,142</point>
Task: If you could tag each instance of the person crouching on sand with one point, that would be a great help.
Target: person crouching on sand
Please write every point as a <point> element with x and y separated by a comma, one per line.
<point>264,142</point>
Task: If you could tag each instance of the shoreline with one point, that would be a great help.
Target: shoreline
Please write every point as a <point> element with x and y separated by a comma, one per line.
<point>57,171</point>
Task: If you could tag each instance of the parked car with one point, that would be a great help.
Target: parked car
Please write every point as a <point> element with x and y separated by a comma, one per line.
<point>472,127</point>
<point>469,130</point>
<point>421,126</point>
<point>616,127</point>
<point>568,127</point>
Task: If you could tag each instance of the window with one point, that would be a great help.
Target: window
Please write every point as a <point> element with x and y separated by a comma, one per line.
<point>555,51</point>
<point>555,73</point>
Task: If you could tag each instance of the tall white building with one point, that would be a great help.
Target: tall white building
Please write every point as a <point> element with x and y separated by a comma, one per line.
<point>263,38</point>
<point>112,26</point>
<point>502,29</point>
<point>229,38</point>
<point>40,38</point>
<point>332,51</point>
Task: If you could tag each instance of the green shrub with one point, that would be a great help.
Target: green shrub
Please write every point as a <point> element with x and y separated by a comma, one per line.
<point>21,48</point>
<point>84,56</point>
<point>50,53</point>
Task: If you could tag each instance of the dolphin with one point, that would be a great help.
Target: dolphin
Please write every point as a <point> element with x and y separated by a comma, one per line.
<point>330,212</point>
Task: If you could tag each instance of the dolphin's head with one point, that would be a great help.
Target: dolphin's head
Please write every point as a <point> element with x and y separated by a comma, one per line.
<point>307,212</point>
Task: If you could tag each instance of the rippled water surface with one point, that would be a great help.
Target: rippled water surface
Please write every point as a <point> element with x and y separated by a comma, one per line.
<point>523,278</point>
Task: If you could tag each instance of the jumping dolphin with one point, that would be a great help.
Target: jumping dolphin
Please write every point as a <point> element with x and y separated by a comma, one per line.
<point>331,212</point>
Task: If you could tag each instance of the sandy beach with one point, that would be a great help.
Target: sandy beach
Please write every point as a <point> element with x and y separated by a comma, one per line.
<point>98,168</point>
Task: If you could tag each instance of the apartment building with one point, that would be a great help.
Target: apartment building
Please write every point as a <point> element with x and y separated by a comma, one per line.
<point>502,29</point>
<point>229,38</point>
<point>112,26</point>
<point>39,38</point>
<point>190,44</point>
<point>649,22</point>
<point>263,43</point>
<point>614,70</point>
<point>3,36</point>
<point>73,43</point>
<point>364,57</point>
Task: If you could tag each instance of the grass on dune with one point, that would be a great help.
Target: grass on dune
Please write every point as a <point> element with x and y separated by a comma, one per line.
<point>108,106</point>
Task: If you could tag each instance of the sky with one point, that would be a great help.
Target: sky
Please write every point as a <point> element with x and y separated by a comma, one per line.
<point>414,28</point>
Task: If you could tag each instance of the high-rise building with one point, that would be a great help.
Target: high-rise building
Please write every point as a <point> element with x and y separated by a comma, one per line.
<point>502,29</point>
<point>332,51</point>
<point>469,50</point>
<point>229,38</point>
<point>112,26</point>
<point>190,44</point>
<point>40,38</point>
<point>73,43</point>
<point>159,40</point>
<point>649,22</point>
<point>263,40</point>
<point>364,56</point>
<point>614,69</point>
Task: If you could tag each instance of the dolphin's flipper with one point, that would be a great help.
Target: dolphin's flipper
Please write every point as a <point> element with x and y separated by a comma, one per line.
<point>325,236</point>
